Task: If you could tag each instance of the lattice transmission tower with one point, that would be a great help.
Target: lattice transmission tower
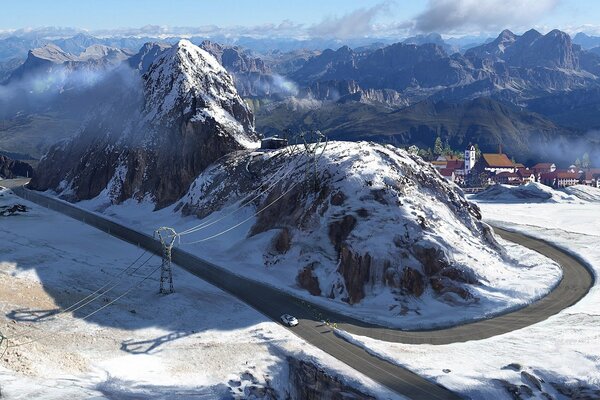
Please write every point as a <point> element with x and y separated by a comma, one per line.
<point>167,238</point>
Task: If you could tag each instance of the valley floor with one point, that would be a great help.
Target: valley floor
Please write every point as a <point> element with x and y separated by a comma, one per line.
<point>196,343</point>
<point>559,357</point>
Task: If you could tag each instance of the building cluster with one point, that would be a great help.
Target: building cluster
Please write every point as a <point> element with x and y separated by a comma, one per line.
<point>497,168</point>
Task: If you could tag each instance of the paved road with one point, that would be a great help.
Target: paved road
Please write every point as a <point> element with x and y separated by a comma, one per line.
<point>576,282</point>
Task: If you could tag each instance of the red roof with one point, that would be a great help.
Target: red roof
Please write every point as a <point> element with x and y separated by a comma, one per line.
<point>497,161</point>
<point>542,166</point>
<point>525,172</point>
<point>568,175</point>
<point>446,172</point>
<point>455,164</point>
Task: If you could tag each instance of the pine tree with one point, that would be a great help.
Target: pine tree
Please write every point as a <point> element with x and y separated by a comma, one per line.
<point>586,162</point>
<point>447,149</point>
<point>477,152</point>
<point>437,147</point>
<point>578,163</point>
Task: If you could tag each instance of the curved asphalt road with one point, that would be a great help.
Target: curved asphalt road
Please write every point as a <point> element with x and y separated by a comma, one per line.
<point>576,282</point>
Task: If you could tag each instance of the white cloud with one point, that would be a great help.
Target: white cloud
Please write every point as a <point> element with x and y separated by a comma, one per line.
<point>357,23</point>
<point>458,16</point>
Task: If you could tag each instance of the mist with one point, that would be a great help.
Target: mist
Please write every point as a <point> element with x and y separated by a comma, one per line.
<point>566,150</point>
<point>65,90</point>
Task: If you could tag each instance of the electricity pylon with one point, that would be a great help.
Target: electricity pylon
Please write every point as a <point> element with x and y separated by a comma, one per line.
<point>167,238</point>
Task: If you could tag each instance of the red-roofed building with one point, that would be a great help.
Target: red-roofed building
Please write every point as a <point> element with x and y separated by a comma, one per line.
<point>448,174</point>
<point>560,179</point>
<point>507,178</point>
<point>543,168</point>
<point>527,175</point>
<point>495,163</point>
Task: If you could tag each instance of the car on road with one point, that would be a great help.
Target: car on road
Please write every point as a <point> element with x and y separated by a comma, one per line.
<point>289,320</point>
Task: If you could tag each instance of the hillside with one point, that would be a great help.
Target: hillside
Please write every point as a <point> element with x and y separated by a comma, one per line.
<point>483,121</point>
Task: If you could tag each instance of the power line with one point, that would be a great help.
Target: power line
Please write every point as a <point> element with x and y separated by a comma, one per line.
<point>93,297</point>
<point>206,224</point>
<point>93,312</point>
<point>310,150</point>
<point>245,220</point>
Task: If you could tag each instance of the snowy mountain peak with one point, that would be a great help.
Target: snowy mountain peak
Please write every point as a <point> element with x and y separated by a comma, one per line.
<point>187,81</point>
<point>185,115</point>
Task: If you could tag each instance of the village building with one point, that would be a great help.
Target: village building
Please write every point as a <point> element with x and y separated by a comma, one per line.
<point>448,174</point>
<point>507,178</point>
<point>591,177</point>
<point>526,175</point>
<point>470,159</point>
<point>494,163</point>
<point>450,167</point>
<point>273,142</point>
<point>543,168</point>
<point>560,179</point>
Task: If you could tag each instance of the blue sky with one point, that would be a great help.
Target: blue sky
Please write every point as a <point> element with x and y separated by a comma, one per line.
<point>332,18</point>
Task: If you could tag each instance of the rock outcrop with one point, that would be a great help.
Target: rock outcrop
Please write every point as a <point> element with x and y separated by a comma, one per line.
<point>360,232</point>
<point>10,168</point>
<point>309,382</point>
<point>184,114</point>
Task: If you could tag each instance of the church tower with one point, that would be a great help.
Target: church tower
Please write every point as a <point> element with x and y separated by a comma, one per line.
<point>469,159</point>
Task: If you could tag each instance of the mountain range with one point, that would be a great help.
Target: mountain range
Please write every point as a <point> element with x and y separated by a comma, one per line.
<point>533,78</point>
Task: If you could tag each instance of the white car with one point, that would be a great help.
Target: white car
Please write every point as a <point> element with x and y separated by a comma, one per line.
<point>289,320</point>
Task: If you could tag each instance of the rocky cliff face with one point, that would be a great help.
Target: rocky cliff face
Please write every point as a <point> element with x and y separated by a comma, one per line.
<point>10,169</point>
<point>309,382</point>
<point>350,91</point>
<point>182,115</point>
<point>511,67</point>
<point>252,77</point>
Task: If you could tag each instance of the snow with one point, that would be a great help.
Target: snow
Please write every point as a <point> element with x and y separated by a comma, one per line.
<point>531,193</point>
<point>196,343</point>
<point>506,282</point>
<point>538,193</point>
<point>185,73</point>
<point>562,350</point>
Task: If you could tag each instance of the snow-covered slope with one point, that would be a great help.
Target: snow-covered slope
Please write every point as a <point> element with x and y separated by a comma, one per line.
<point>188,75</point>
<point>198,343</point>
<point>530,193</point>
<point>583,192</point>
<point>538,193</point>
<point>558,358</point>
<point>156,136</point>
<point>385,238</point>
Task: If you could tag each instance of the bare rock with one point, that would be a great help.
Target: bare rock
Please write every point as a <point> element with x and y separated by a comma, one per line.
<point>282,241</point>
<point>339,230</point>
<point>444,285</point>
<point>308,281</point>
<point>309,382</point>
<point>10,168</point>
<point>338,199</point>
<point>355,269</point>
<point>517,392</point>
<point>432,259</point>
<point>15,209</point>
<point>412,281</point>
<point>458,275</point>
<point>513,366</point>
